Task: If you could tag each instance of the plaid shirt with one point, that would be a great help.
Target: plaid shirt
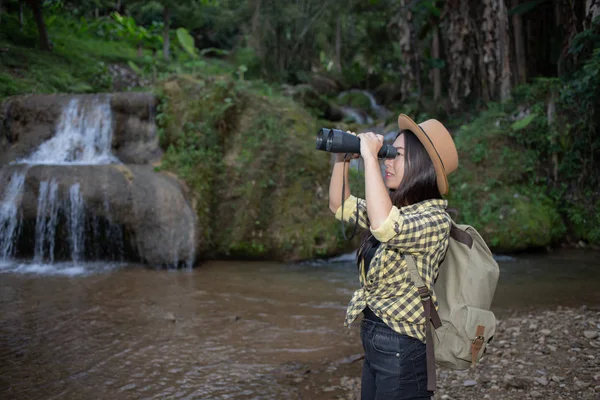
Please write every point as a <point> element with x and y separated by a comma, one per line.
<point>422,230</point>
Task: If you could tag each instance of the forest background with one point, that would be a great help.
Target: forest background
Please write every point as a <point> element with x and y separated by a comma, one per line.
<point>244,85</point>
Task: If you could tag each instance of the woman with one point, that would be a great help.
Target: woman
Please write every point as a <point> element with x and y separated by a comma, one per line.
<point>410,218</point>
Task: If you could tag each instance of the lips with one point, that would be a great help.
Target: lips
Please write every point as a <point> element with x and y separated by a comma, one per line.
<point>388,174</point>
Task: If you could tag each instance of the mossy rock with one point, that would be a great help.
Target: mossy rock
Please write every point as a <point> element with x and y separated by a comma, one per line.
<point>495,187</point>
<point>259,183</point>
<point>355,99</point>
<point>509,219</point>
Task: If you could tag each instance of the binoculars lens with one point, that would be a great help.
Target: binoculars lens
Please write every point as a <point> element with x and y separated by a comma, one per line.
<point>322,137</point>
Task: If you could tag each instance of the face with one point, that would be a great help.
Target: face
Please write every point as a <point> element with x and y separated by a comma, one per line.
<point>394,169</point>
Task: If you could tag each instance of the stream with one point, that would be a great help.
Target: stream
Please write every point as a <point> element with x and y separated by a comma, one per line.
<point>224,330</point>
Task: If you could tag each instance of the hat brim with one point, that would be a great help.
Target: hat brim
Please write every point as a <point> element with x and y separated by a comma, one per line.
<point>405,122</point>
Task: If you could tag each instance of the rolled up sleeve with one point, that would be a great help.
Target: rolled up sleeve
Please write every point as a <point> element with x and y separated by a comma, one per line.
<point>413,232</point>
<point>352,204</point>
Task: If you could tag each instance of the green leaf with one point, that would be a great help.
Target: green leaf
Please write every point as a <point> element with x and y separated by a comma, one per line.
<point>522,123</point>
<point>186,41</point>
<point>134,67</point>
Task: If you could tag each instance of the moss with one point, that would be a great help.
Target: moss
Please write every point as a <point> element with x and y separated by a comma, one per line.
<point>250,161</point>
<point>509,218</point>
<point>497,187</point>
<point>355,99</point>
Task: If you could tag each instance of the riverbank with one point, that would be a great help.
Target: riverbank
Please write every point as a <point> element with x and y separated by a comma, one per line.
<point>537,354</point>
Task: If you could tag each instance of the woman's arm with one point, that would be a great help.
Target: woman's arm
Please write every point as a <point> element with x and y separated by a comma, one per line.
<point>378,199</point>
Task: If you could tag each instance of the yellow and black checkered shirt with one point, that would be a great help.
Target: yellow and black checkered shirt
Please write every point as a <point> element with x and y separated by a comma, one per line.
<point>421,230</point>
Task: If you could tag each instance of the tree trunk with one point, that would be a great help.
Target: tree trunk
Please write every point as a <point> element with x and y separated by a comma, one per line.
<point>166,42</point>
<point>403,21</point>
<point>36,7</point>
<point>437,74</point>
<point>0,10</point>
<point>592,10</point>
<point>338,44</point>
<point>503,52</point>
<point>461,50</point>
<point>521,61</point>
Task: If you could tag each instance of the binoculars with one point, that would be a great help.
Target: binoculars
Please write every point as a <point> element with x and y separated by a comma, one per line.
<point>338,141</point>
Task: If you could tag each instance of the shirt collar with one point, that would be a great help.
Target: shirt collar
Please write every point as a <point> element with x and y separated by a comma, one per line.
<point>425,205</point>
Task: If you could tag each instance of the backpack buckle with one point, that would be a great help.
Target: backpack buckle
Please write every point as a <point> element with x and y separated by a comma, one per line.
<point>424,293</point>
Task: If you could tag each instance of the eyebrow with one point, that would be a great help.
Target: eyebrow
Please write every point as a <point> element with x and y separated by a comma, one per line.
<point>399,148</point>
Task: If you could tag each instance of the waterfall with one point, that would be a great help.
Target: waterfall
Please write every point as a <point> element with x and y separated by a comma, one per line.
<point>83,135</point>
<point>10,220</point>
<point>76,223</point>
<point>46,221</point>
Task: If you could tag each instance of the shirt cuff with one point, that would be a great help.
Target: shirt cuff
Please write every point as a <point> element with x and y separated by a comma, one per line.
<point>349,208</point>
<point>389,228</point>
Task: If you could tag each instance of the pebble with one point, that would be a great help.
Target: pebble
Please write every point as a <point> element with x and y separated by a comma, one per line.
<point>542,381</point>
<point>580,385</point>
<point>590,334</point>
<point>527,362</point>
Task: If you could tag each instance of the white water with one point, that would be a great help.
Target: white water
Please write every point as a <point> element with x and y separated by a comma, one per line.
<point>83,135</point>
<point>76,224</point>
<point>10,220</point>
<point>46,222</point>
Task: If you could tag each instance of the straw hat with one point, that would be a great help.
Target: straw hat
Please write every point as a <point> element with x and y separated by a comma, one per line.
<point>439,145</point>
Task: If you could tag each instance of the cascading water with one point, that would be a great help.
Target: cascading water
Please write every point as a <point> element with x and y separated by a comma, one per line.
<point>71,206</point>
<point>45,223</point>
<point>76,223</point>
<point>9,215</point>
<point>83,137</point>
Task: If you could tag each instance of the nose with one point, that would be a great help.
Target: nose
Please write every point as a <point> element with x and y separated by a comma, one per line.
<point>388,163</point>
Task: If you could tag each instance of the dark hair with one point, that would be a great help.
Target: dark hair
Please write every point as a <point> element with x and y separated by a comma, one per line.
<point>419,183</point>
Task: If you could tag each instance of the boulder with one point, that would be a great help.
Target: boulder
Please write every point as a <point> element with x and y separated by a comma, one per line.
<point>258,181</point>
<point>151,210</point>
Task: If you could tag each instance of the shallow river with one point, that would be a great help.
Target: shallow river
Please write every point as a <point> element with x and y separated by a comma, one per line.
<point>225,330</point>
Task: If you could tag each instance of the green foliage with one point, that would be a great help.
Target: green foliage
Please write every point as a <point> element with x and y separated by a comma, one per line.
<point>186,41</point>
<point>248,160</point>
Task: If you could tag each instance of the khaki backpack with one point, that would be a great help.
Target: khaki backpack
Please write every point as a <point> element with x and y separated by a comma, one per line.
<point>463,324</point>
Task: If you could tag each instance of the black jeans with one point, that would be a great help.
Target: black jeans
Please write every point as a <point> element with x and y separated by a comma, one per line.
<point>395,366</point>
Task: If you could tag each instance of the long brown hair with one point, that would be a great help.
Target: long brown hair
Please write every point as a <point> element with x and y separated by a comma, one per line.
<point>418,183</point>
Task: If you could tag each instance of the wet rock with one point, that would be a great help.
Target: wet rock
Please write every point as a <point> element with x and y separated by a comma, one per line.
<point>28,121</point>
<point>151,210</point>
<point>470,382</point>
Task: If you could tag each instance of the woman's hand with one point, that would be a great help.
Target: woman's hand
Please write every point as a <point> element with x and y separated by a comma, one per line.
<point>370,144</point>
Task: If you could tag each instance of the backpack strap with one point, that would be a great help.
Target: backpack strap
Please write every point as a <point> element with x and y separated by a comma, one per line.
<point>430,314</point>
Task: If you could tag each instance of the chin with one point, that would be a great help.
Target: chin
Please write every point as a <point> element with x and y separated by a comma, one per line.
<point>391,185</point>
